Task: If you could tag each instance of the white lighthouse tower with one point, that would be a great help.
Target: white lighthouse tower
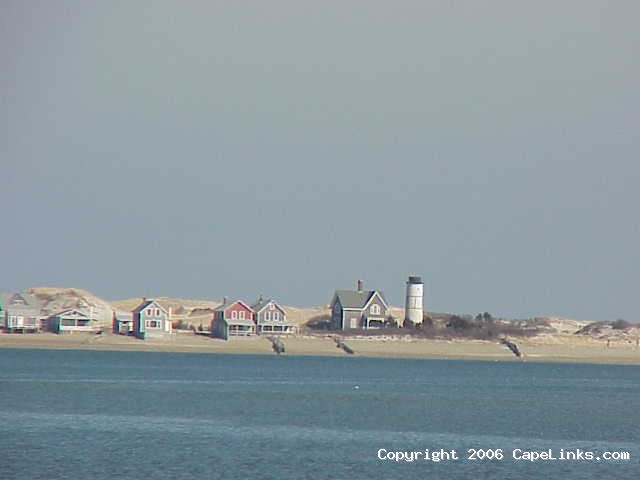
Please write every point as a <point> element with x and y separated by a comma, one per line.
<point>413,305</point>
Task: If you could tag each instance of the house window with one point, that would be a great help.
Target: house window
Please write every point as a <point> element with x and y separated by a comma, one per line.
<point>242,315</point>
<point>157,312</point>
<point>234,315</point>
<point>276,316</point>
<point>375,309</point>
<point>18,300</point>
<point>267,316</point>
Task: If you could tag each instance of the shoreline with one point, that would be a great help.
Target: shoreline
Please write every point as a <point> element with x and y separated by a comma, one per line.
<point>557,349</point>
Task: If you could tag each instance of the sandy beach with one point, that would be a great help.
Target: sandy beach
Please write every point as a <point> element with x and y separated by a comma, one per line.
<point>559,348</point>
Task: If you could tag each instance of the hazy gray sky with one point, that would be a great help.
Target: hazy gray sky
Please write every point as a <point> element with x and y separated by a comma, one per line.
<point>205,148</point>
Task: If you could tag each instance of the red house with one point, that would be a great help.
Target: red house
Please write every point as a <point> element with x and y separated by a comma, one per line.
<point>233,319</point>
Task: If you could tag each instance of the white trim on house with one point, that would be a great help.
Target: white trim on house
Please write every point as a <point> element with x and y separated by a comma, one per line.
<point>375,292</point>
<point>150,308</point>
<point>228,306</point>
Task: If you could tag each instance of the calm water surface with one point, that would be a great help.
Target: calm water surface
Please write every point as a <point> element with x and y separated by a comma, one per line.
<point>135,415</point>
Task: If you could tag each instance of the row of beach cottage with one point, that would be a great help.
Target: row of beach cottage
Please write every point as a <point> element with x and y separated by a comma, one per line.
<point>350,309</point>
<point>21,313</point>
<point>231,319</point>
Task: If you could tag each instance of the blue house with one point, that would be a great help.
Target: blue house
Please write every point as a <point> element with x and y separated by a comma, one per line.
<point>73,320</point>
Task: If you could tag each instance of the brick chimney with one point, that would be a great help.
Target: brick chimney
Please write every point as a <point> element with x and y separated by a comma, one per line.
<point>360,285</point>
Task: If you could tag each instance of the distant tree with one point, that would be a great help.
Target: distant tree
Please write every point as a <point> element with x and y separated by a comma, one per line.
<point>180,325</point>
<point>620,324</point>
<point>391,322</point>
<point>320,322</point>
<point>484,317</point>
<point>459,323</point>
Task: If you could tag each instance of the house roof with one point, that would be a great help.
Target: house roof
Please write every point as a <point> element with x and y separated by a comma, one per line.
<point>357,299</point>
<point>238,321</point>
<point>262,303</point>
<point>19,301</point>
<point>71,312</point>
<point>123,316</point>
<point>146,303</point>
<point>225,306</point>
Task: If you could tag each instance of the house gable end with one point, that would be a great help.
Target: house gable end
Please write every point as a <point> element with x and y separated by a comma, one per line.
<point>17,300</point>
<point>335,299</point>
<point>237,306</point>
<point>151,305</point>
<point>72,313</point>
<point>378,298</point>
<point>265,315</point>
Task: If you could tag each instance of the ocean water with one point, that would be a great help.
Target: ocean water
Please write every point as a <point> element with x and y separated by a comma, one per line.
<point>142,415</point>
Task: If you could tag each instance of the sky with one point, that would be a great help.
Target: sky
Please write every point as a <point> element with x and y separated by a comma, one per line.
<point>201,149</point>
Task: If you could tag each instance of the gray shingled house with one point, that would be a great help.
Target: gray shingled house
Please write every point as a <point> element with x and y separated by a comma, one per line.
<point>351,309</point>
<point>271,318</point>
<point>150,319</point>
<point>19,312</point>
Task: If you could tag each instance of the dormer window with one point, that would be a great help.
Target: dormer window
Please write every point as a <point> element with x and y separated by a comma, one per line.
<point>18,300</point>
